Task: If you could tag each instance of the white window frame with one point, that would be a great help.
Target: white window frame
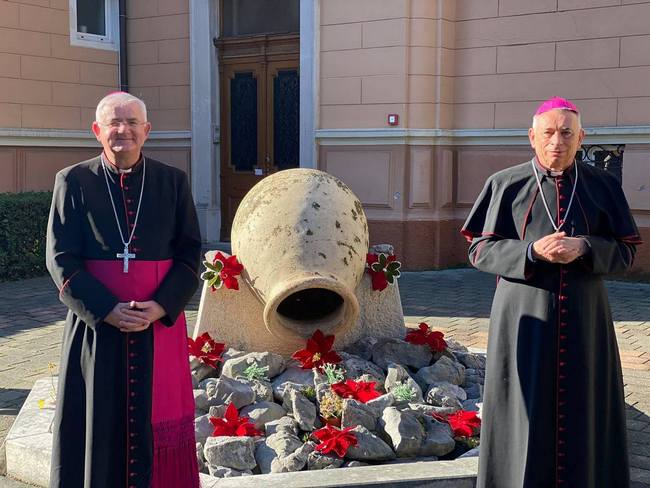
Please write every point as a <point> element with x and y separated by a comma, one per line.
<point>109,42</point>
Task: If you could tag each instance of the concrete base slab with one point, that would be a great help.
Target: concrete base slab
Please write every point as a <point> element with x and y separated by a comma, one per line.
<point>29,442</point>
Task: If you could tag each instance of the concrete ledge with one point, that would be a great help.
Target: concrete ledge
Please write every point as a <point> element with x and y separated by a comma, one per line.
<point>29,441</point>
<point>460,473</point>
<point>29,449</point>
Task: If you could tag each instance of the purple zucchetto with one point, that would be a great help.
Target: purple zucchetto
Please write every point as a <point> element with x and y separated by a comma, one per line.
<point>556,102</point>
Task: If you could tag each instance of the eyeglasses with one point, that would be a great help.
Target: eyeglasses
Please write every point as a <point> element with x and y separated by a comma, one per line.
<point>116,124</point>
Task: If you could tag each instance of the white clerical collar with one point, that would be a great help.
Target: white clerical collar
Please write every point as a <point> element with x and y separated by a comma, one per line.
<point>550,172</point>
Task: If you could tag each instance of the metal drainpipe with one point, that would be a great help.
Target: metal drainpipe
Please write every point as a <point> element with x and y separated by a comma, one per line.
<point>123,61</point>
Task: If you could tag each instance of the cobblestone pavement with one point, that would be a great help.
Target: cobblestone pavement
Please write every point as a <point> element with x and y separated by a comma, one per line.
<point>454,301</point>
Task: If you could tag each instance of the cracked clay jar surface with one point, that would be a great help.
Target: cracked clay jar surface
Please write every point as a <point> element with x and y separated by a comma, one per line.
<point>302,237</point>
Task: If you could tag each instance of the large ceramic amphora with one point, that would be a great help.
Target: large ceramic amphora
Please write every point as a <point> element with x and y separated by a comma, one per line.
<point>302,237</point>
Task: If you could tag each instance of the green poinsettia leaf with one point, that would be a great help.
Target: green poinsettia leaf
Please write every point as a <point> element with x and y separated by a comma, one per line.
<point>207,275</point>
<point>216,267</point>
<point>382,259</point>
<point>397,274</point>
<point>216,282</point>
<point>393,267</point>
<point>389,278</point>
<point>377,267</point>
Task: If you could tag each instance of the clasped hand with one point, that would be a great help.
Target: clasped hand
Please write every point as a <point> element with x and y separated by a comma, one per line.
<point>558,248</point>
<point>135,316</point>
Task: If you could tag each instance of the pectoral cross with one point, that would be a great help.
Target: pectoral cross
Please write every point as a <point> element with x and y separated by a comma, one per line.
<point>126,255</point>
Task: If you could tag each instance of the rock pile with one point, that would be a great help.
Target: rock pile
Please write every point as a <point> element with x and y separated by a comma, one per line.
<point>288,404</point>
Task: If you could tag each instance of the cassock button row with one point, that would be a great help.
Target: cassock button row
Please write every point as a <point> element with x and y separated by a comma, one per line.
<point>562,209</point>
<point>563,298</point>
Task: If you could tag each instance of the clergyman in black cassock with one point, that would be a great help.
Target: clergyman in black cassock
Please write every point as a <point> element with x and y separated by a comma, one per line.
<point>124,408</point>
<point>551,229</point>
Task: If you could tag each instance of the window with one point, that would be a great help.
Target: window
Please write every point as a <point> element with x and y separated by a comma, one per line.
<point>94,24</point>
<point>251,17</point>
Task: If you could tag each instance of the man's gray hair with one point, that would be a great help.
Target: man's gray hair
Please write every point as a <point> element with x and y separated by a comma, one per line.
<point>566,109</point>
<point>118,98</point>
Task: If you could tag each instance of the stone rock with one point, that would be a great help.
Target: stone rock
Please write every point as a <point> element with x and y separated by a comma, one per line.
<point>380,403</point>
<point>472,405</point>
<point>226,390</point>
<point>235,367</point>
<point>200,459</point>
<point>369,447</point>
<point>445,394</point>
<point>264,456</point>
<point>427,410</point>
<point>386,249</point>
<point>354,464</point>
<point>471,360</point>
<point>317,460</point>
<point>438,439</point>
<point>455,346</point>
<point>294,461</point>
<point>217,411</point>
<point>398,351</point>
<point>295,375</point>
<point>262,389</point>
<point>473,390</point>
<point>262,412</point>
<point>283,443</point>
<point>442,370</point>
<point>357,413</point>
<point>202,428</point>
<point>398,375</point>
<point>203,371</point>
<point>404,430</point>
<point>231,353</point>
<point>201,400</point>
<point>231,452</point>
<point>301,408</point>
<point>362,348</point>
<point>475,376</point>
<point>204,383</point>
<point>471,453</point>
<point>356,366</point>
<point>225,472</point>
<point>285,424</point>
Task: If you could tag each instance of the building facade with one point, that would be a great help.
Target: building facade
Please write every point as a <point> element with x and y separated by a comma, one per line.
<point>412,103</point>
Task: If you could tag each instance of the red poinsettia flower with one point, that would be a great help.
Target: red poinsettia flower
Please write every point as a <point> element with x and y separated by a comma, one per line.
<point>230,270</point>
<point>358,390</point>
<point>424,335</point>
<point>384,269</point>
<point>318,352</point>
<point>205,349</point>
<point>231,424</point>
<point>335,440</point>
<point>462,422</point>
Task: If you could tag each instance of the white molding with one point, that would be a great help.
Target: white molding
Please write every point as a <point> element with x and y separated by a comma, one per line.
<point>109,42</point>
<point>308,79</point>
<point>82,138</point>
<point>204,87</point>
<point>469,137</point>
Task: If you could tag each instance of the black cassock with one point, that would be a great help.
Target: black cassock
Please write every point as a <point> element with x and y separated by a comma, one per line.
<point>554,410</point>
<point>105,375</point>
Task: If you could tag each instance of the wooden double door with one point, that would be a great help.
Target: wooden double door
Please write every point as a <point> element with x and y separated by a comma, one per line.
<point>259,114</point>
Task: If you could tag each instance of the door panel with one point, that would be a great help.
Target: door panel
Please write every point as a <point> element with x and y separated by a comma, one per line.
<point>284,126</point>
<point>259,115</point>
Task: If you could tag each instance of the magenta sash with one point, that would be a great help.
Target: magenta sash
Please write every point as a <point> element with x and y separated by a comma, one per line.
<point>172,408</point>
